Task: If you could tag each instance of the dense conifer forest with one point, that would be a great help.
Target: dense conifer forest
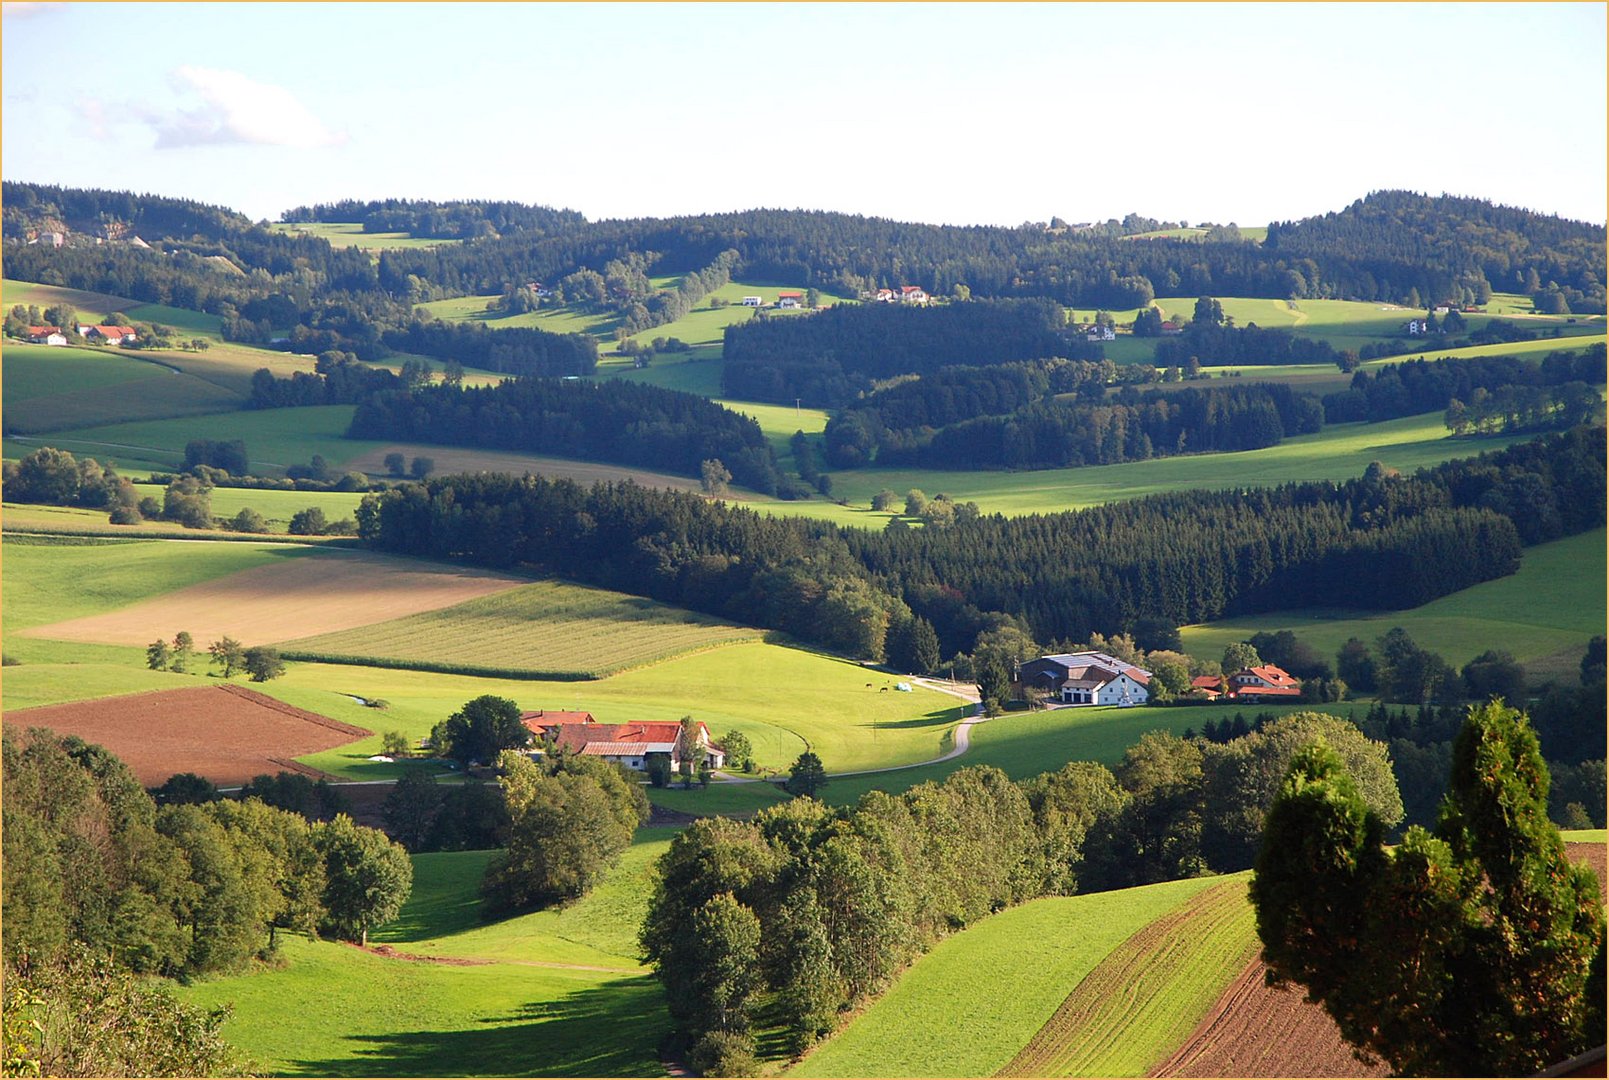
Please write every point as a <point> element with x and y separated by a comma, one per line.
<point>1380,542</point>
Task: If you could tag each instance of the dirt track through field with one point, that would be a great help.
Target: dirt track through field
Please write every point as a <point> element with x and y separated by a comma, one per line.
<point>225,733</point>
<point>1255,1030</point>
<point>312,593</point>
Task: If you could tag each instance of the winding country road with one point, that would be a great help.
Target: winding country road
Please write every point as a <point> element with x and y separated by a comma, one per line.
<point>963,737</point>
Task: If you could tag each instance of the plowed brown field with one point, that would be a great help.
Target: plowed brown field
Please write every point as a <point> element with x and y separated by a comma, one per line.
<point>225,733</point>
<point>1256,1030</point>
<point>312,593</point>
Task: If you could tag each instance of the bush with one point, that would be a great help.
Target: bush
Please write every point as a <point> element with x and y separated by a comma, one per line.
<point>724,1053</point>
<point>249,521</point>
<point>125,515</point>
<point>309,522</point>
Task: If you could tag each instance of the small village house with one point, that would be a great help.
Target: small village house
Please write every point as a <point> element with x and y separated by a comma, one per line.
<point>46,335</point>
<point>912,294</point>
<point>790,299</point>
<point>627,744</point>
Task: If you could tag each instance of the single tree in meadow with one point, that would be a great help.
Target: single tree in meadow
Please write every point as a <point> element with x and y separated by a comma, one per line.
<point>228,654</point>
<point>262,662</point>
<point>184,647</point>
<point>714,478</point>
<point>396,464</point>
<point>158,654</point>
<point>807,776</point>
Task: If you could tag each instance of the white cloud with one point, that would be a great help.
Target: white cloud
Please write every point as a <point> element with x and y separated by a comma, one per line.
<point>238,109</point>
<point>93,112</point>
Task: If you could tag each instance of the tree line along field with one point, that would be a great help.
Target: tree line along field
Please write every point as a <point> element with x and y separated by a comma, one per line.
<point>1542,614</point>
<point>548,629</point>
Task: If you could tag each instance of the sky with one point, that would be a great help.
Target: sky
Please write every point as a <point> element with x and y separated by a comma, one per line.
<point>952,113</point>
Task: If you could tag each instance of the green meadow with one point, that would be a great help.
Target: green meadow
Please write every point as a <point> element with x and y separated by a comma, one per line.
<point>49,388</point>
<point>1548,609</point>
<point>351,234</point>
<point>1338,452</point>
<point>940,1019</point>
<point>552,993</point>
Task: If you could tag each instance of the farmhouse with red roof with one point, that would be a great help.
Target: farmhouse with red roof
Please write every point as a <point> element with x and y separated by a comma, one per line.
<point>46,335</point>
<point>112,335</point>
<point>626,744</point>
<point>1265,682</point>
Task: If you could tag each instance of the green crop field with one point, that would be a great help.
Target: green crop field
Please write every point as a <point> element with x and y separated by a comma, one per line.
<point>1550,607</point>
<point>49,388</point>
<point>351,234</point>
<point>45,371</point>
<point>936,1022</point>
<point>550,629</point>
<point>1144,999</point>
<point>552,993</point>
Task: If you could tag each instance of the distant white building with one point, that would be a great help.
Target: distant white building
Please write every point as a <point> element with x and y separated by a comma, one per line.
<point>753,301</point>
<point>912,294</point>
<point>1087,678</point>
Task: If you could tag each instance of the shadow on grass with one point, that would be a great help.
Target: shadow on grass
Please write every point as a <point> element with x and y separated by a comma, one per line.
<point>937,718</point>
<point>608,1030</point>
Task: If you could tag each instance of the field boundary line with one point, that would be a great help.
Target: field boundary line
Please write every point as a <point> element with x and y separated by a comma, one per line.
<point>279,706</point>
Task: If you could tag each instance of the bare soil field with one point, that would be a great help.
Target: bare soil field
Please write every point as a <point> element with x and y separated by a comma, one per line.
<point>314,593</point>
<point>451,459</point>
<point>225,733</point>
<point>1255,1030</point>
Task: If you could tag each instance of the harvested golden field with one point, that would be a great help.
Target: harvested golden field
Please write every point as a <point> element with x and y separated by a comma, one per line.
<point>311,593</point>
<point>451,459</point>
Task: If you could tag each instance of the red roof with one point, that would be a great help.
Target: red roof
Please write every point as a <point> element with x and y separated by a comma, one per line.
<point>910,288</point>
<point>41,331</point>
<point>1275,676</point>
<point>1208,682</point>
<point>784,295</point>
<point>542,719</point>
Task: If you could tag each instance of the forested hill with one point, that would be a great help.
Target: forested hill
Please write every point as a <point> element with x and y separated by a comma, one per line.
<point>1390,247</point>
<point>1442,246</point>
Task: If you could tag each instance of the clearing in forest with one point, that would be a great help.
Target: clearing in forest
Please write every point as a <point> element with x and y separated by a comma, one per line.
<point>317,593</point>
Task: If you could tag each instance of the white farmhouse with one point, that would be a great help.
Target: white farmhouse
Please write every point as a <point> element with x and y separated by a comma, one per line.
<point>1087,678</point>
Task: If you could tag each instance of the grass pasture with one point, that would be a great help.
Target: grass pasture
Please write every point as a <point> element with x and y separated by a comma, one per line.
<point>548,629</point>
<point>939,1020</point>
<point>1338,452</point>
<point>551,993</point>
<point>85,302</point>
<point>50,388</point>
<point>1547,609</point>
